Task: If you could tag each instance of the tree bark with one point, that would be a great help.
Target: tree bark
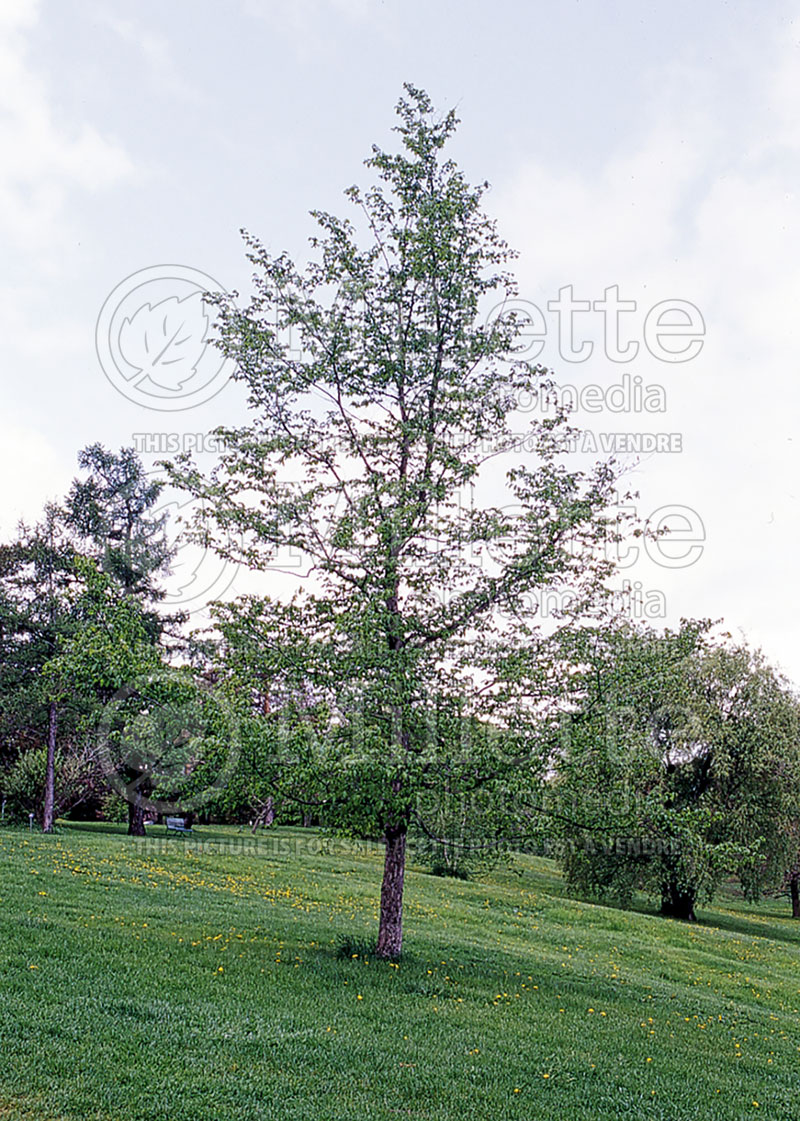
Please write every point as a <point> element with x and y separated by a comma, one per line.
<point>48,817</point>
<point>265,816</point>
<point>136,819</point>
<point>677,903</point>
<point>794,892</point>
<point>390,929</point>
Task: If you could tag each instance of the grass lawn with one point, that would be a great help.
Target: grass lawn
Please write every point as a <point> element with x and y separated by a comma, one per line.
<point>198,982</point>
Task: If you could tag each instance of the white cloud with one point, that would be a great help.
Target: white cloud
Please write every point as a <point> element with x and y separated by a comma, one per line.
<point>156,51</point>
<point>703,207</point>
<point>627,214</point>
<point>304,12</point>
<point>47,156</point>
<point>32,474</point>
<point>18,13</point>
<point>309,22</point>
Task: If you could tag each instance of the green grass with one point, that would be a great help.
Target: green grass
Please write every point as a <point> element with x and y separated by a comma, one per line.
<point>207,983</point>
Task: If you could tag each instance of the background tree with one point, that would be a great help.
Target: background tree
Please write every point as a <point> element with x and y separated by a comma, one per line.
<point>791,875</point>
<point>113,516</point>
<point>679,765</point>
<point>36,600</point>
<point>43,601</point>
<point>165,739</point>
<point>458,836</point>
<point>380,397</point>
<point>750,716</point>
<point>111,647</point>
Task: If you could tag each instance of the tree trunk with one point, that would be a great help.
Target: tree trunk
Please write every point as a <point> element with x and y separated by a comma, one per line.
<point>677,903</point>
<point>794,891</point>
<point>48,818</point>
<point>390,930</point>
<point>265,816</point>
<point>136,819</point>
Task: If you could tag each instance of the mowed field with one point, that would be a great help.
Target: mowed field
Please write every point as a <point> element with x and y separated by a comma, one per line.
<point>204,980</point>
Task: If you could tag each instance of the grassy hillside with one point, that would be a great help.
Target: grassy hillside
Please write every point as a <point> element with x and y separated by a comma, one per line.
<point>203,983</point>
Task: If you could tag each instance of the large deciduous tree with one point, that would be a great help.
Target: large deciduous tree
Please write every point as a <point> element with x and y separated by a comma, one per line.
<point>679,765</point>
<point>381,395</point>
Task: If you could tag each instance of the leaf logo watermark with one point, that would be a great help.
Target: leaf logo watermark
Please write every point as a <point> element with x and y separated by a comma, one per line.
<point>166,341</point>
<point>153,339</point>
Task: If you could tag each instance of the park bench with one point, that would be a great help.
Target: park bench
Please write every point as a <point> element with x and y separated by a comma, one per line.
<point>177,825</point>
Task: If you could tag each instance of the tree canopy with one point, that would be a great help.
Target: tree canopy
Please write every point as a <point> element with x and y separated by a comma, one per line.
<point>679,764</point>
<point>381,398</point>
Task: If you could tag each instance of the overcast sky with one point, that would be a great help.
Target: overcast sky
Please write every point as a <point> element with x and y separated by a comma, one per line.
<point>640,154</point>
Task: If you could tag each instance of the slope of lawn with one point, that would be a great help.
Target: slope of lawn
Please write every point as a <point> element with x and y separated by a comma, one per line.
<point>202,982</point>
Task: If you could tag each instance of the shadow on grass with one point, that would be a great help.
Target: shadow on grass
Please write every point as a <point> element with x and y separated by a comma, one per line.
<point>154,830</point>
<point>116,828</point>
<point>773,925</point>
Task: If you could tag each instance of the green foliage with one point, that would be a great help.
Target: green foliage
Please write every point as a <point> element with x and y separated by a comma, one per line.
<point>679,763</point>
<point>349,948</point>
<point>24,782</point>
<point>37,583</point>
<point>458,835</point>
<point>112,643</point>
<point>113,807</point>
<point>70,634</point>
<point>112,515</point>
<point>380,394</point>
<point>168,742</point>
